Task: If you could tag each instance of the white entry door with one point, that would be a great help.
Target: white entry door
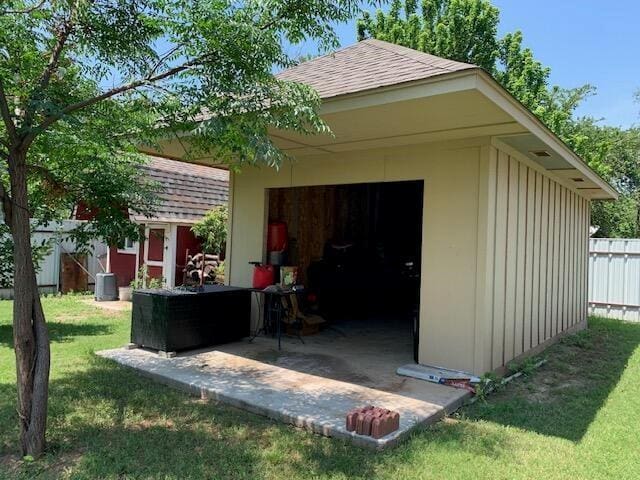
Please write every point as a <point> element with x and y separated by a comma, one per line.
<point>159,253</point>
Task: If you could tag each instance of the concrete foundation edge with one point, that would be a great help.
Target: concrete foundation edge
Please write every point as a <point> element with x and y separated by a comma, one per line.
<point>301,422</point>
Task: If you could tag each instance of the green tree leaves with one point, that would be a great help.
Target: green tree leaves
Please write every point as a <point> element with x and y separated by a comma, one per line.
<point>212,230</point>
<point>83,83</point>
<point>466,30</point>
<point>462,30</point>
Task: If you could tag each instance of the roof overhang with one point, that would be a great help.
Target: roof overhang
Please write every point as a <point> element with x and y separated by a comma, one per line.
<point>464,104</point>
<point>561,161</point>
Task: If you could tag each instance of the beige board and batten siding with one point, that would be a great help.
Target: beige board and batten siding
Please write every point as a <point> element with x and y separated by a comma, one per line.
<point>504,246</point>
<point>450,171</point>
<point>536,260</point>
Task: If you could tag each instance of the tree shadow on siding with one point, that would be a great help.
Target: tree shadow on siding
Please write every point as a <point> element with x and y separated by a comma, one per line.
<point>563,397</point>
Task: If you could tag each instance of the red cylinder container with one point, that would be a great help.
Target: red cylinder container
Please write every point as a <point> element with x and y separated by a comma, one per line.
<point>276,237</point>
<point>263,276</point>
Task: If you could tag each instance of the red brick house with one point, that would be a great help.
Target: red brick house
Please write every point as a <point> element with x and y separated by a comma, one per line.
<point>187,192</point>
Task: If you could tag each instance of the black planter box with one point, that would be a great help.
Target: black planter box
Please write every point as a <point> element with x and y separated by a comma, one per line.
<point>171,321</point>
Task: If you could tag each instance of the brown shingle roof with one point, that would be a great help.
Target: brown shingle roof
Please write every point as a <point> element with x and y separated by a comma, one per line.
<point>367,65</point>
<point>187,191</point>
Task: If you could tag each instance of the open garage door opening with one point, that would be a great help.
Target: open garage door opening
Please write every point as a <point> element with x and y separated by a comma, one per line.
<point>357,249</point>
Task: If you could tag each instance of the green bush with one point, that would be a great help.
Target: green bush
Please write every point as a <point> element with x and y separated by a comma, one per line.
<point>212,229</point>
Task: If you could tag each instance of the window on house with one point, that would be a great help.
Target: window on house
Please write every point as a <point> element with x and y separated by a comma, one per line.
<point>128,246</point>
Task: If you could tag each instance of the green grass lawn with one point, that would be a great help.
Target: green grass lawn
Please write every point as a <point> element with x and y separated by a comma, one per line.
<point>576,417</point>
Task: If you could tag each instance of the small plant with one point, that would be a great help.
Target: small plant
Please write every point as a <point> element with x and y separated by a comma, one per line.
<point>220,269</point>
<point>526,367</point>
<point>581,339</point>
<point>143,280</point>
<point>489,382</point>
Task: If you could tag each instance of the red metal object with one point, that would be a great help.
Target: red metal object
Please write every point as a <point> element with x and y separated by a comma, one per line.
<point>463,383</point>
<point>263,276</point>
<point>372,421</point>
<point>277,239</point>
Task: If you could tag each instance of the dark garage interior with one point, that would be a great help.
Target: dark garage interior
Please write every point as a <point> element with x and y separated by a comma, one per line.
<point>357,248</point>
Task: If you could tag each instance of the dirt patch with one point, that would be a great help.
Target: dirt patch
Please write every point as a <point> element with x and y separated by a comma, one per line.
<point>563,372</point>
<point>147,424</point>
<point>548,389</point>
<point>47,466</point>
<point>115,306</point>
<point>10,463</point>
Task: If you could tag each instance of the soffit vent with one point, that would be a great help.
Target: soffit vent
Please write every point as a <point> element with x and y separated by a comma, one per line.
<point>540,153</point>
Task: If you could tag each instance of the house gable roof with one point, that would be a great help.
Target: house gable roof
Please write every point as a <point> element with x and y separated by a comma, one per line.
<point>367,65</point>
<point>186,191</point>
<point>377,93</point>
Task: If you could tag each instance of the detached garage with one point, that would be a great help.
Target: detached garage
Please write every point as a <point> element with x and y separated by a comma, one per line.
<point>467,219</point>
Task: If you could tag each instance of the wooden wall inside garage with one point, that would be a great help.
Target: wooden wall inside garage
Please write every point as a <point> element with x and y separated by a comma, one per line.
<point>317,214</point>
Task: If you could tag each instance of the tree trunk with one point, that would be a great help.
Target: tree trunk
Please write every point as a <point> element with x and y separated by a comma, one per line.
<point>30,336</point>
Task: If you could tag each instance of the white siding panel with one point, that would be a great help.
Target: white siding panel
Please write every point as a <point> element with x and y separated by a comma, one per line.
<point>48,274</point>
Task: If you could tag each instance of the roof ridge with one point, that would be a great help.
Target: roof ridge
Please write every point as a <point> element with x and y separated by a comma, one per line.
<point>369,64</point>
<point>393,48</point>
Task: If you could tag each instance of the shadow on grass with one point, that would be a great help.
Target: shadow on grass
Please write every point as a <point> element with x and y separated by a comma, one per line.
<point>563,397</point>
<point>114,423</point>
<point>60,332</point>
<point>125,425</point>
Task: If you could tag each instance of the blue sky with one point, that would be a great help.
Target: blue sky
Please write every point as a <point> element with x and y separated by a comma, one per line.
<point>583,41</point>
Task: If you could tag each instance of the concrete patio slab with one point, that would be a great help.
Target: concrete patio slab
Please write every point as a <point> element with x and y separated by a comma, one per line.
<point>306,400</point>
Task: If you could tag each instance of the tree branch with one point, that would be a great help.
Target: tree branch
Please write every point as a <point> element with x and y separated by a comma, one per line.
<point>162,59</point>
<point>35,7</point>
<point>48,121</point>
<point>62,33</point>
<point>54,57</point>
<point>49,177</point>
<point>6,115</point>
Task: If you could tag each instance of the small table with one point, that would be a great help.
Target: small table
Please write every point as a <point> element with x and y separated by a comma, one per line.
<point>273,300</point>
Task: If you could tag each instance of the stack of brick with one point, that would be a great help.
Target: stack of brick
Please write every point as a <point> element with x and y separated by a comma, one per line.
<point>373,421</point>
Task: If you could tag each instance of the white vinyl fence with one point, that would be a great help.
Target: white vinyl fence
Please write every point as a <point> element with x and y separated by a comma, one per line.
<point>49,274</point>
<point>614,278</point>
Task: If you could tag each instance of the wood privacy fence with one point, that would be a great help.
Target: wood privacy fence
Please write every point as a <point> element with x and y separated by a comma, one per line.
<point>614,278</point>
<point>62,269</point>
